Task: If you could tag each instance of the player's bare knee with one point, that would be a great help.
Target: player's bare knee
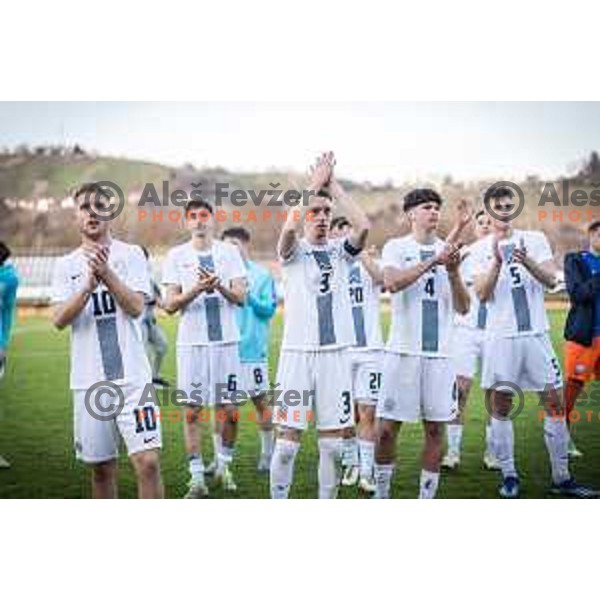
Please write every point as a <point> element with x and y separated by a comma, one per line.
<point>146,464</point>
<point>105,472</point>
<point>260,403</point>
<point>385,436</point>
<point>434,432</point>
<point>366,414</point>
<point>231,412</point>
<point>192,414</point>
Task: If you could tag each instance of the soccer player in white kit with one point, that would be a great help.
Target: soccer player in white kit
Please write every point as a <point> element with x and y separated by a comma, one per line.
<point>365,278</point>
<point>470,330</point>
<point>254,319</point>
<point>206,282</point>
<point>314,371</point>
<point>99,290</point>
<point>422,273</point>
<point>513,268</point>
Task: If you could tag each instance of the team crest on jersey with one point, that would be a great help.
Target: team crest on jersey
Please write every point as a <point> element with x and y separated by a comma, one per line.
<point>388,404</point>
<point>119,267</point>
<point>355,275</point>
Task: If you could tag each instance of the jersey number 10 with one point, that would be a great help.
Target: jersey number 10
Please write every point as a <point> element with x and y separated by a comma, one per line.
<point>104,303</point>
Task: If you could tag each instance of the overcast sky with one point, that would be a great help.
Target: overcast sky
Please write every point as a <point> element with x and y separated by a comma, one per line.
<point>373,141</point>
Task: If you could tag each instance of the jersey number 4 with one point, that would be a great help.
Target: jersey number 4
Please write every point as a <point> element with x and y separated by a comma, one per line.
<point>430,286</point>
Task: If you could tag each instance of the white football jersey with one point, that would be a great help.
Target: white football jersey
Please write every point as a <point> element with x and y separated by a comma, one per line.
<point>317,302</point>
<point>476,318</point>
<point>422,314</point>
<point>106,343</point>
<point>516,307</point>
<point>364,303</point>
<point>209,318</point>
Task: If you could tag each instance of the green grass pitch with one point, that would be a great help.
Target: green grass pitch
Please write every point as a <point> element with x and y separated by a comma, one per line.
<point>36,435</point>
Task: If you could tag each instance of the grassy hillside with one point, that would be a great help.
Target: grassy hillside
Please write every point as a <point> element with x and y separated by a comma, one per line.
<point>52,176</point>
<point>52,172</point>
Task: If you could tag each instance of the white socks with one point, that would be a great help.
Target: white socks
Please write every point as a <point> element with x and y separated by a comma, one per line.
<point>224,458</point>
<point>196,466</point>
<point>455,433</point>
<point>349,452</point>
<point>367,457</point>
<point>331,451</point>
<point>556,437</point>
<point>428,485</point>
<point>216,437</point>
<point>282,468</point>
<point>489,441</point>
<point>504,445</point>
<point>383,480</point>
<point>267,441</point>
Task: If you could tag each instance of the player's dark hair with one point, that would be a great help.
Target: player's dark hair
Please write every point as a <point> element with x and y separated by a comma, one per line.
<point>324,193</point>
<point>89,188</point>
<point>500,192</point>
<point>238,233</point>
<point>594,225</point>
<point>198,203</point>
<point>339,222</point>
<point>421,196</point>
<point>480,212</point>
<point>4,253</point>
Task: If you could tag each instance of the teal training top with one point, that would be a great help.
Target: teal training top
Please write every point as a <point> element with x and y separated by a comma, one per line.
<point>255,315</point>
<point>9,281</point>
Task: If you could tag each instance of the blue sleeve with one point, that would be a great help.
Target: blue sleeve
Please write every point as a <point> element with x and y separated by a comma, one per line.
<point>264,300</point>
<point>581,289</point>
<point>8,301</point>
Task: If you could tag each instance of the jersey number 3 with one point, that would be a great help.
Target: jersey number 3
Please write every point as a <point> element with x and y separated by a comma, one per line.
<point>324,283</point>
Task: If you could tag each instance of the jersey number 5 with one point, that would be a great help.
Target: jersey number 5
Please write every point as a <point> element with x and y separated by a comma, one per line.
<point>515,274</point>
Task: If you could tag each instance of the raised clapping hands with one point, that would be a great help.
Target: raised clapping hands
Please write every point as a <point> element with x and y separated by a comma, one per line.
<point>449,257</point>
<point>464,216</point>
<point>207,281</point>
<point>519,255</point>
<point>322,171</point>
<point>371,252</point>
<point>97,259</point>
